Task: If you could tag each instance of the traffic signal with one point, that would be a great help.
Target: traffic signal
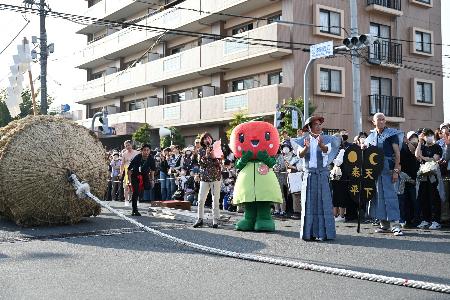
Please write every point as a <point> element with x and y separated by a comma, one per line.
<point>279,119</point>
<point>360,41</point>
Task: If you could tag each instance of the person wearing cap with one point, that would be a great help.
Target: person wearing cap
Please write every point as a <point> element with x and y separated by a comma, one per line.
<point>189,160</point>
<point>430,186</point>
<point>317,151</point>
<point>384,206</point>
<point>408,202</point>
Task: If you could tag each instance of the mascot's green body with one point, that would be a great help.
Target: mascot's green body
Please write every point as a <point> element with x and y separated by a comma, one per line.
<point>256,144</point>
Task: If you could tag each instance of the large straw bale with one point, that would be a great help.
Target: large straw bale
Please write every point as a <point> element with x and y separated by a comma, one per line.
<point>35,155</point>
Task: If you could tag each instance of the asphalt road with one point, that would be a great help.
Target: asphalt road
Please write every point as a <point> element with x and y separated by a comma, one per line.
<point>87,261</point>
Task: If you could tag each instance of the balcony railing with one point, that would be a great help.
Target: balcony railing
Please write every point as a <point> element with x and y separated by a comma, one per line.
<point>392,4</point>
<point>386,52</point>
<point>390,106</point>
<point>194,12</point>
<point>196,62</point>
<point>256,102</point>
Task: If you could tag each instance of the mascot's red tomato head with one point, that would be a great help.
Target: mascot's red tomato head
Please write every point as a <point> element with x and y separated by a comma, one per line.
<point>255,136</point>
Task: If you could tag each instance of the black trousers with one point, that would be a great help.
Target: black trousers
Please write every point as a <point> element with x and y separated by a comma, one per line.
<point>430,201</point>
<point>135,194</point>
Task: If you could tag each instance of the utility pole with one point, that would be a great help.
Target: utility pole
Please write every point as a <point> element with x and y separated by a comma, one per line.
<point>44,48</point>
<point>44,55</point>
<point>356,70</point>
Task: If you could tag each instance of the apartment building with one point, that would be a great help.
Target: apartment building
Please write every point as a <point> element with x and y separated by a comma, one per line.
<point>197,76</point>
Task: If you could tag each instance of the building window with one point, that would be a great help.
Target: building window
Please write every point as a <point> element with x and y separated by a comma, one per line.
<point>242,28</point>
<point>330,22</point>
<point>96,75</point>
<point>428,3</point>
<point>380,86</point>
<point>242,84</point>
<point>330,81</point>
<point>275,78</point>
<point>273,19</point>
<point>380,30</point>
<point>423,41</point>
<point>424,92</point>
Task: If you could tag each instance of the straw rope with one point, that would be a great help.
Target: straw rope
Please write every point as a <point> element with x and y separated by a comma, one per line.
<point>82,189</point>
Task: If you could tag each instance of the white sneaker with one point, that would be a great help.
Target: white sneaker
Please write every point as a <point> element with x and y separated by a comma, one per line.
<point>126,203</point>
<point>435,225</point>
<point>423,225</point>
<point>339,219</point>
<point>397,231</point>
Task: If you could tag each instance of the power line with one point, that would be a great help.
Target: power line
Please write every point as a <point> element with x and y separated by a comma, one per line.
<point>413,68</point>
<point>96,21</point>
<point>244,17</point>
<point>15,37</point>
<point>279,21</point>
<point>427,64</point>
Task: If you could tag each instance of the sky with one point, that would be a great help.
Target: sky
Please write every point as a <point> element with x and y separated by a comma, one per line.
<point>63,77</point>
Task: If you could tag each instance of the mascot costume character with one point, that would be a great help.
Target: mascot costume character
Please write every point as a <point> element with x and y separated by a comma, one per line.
<point>255,144</point>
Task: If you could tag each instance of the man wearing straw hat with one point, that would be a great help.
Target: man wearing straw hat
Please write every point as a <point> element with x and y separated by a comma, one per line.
<point>317,151</point>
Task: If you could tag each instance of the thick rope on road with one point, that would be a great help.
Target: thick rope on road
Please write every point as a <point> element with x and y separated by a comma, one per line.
<point>423,285</point>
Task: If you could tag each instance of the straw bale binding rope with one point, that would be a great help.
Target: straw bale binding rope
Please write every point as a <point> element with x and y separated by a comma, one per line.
<point>35,154</point>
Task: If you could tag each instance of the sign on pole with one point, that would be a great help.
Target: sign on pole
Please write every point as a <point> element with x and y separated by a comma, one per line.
<point>321,50</point>
<point>294,115</point>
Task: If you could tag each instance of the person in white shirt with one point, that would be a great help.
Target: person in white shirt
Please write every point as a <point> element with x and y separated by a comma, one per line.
<point>317,151</point>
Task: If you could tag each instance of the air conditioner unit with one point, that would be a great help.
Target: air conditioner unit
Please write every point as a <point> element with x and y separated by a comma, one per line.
<point>111,70</point>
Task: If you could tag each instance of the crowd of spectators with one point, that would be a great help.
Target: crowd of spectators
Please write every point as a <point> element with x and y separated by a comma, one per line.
<point>423,193</point>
